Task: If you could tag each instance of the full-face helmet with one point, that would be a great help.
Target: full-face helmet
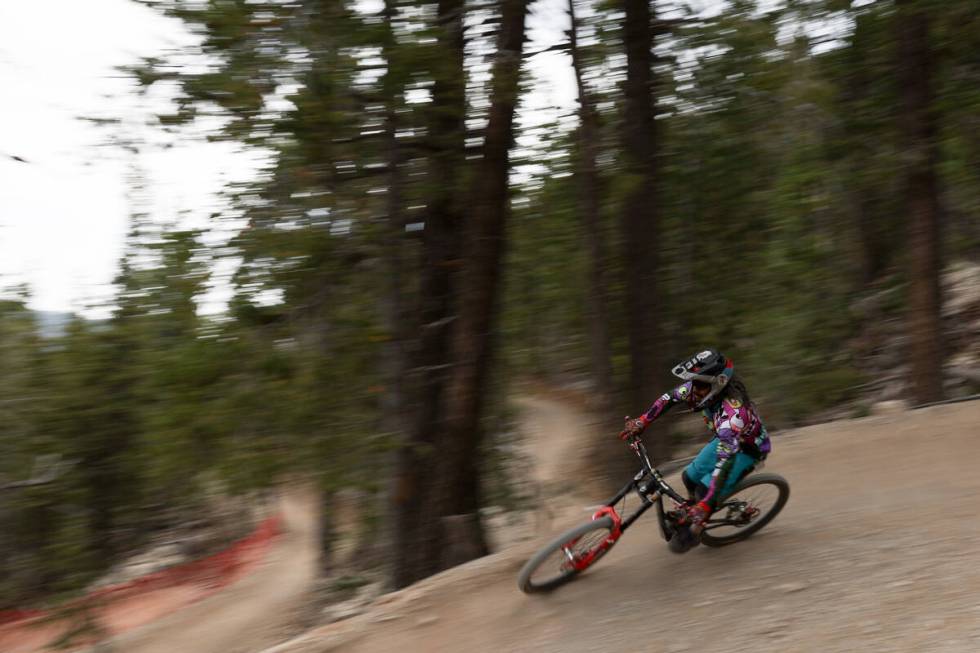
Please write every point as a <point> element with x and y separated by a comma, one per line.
<point>709,367</point>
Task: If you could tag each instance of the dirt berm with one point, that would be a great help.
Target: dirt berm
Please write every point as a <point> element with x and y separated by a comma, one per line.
<point>878,550</point>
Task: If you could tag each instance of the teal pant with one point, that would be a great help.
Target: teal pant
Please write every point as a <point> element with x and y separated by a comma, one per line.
<point>703,465</point>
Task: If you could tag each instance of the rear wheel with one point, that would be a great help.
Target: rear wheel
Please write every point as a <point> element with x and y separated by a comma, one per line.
<point>755,502</point>
<point>571,553</point>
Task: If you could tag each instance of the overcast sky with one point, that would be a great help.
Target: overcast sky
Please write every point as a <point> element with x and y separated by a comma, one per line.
<point>63,213</point>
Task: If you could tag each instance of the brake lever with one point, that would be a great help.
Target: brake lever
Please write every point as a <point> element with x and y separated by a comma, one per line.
<point>634,443</point>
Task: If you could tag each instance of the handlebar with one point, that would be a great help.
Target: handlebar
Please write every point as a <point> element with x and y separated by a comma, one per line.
<point>636,444</point>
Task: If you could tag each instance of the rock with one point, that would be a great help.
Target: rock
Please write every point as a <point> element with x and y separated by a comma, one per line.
<point>427,620</point>
<point>965,373</point>
<point>363,598</point>
<point>889,407</point>
<point>343,610</point>
<point>373,590</point>
<point>155,559</point>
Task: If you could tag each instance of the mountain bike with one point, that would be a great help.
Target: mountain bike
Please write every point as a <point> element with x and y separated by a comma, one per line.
<point>754,502</point>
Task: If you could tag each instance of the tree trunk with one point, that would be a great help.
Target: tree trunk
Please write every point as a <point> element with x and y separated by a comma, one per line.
<point>395,311</point>
<point>875,248</point>
<point>640,217</point>
<point>916,72</point>
<point>588,175</point>
<point>417,536</point>
<point>473,342</point>
<point>398,321</point>
<point>876,224</point>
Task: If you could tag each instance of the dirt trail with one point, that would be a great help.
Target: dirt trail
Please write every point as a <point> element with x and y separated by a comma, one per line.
<point>557,444</point>
<point>250,614</point>
<point>553,438</point>
<point>877,550</point>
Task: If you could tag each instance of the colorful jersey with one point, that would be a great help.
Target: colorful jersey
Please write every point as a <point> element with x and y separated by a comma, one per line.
<point>736,425</point>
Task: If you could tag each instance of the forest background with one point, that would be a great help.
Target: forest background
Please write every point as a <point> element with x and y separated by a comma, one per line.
<point>794,183</point>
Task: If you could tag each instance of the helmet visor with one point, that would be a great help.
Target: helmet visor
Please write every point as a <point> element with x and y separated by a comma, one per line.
<point>688,375</point>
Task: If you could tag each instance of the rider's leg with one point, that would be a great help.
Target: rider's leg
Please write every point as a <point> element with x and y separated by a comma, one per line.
<point>744,464</point>
<point>700,469</point>
<point>691,485</point>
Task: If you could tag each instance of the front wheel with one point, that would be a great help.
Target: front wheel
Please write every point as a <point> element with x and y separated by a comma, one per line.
<point>571,553</point>
<point>754,503</point>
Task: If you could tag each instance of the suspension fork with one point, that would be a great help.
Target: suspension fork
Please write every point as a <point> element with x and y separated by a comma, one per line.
<point>621,522</point>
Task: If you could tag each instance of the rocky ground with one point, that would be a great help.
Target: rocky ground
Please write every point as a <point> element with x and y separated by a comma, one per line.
<point>881,347</point>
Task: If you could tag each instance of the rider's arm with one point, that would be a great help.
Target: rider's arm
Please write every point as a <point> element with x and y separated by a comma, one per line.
<point>666,401</point>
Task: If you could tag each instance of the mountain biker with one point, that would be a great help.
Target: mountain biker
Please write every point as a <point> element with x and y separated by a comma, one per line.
<point>740,441</point>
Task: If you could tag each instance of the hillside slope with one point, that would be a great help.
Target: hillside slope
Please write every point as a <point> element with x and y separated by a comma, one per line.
<point>878,549</point>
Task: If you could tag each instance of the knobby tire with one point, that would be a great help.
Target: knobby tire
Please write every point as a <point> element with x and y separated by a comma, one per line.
<point>755,480</point>
<point>565,572</point>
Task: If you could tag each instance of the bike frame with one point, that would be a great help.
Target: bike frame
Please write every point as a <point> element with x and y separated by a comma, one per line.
<point>650,486</point>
